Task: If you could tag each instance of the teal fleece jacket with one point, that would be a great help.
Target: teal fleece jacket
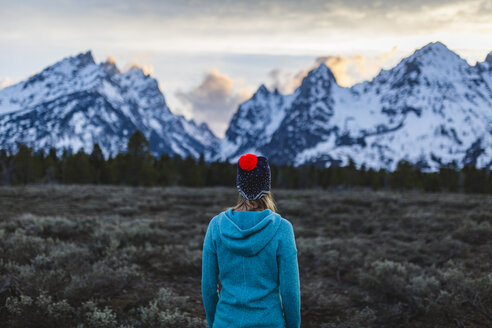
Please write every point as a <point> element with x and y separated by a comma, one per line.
<point>254,255</point>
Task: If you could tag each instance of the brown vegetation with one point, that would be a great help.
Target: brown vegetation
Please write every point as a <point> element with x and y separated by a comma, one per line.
<point>85,256</point>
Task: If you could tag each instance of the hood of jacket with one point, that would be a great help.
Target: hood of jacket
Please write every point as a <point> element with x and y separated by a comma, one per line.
<point>246,233</point>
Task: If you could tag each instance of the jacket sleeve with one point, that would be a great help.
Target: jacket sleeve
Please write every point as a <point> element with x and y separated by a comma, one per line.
<point>210,271</point>
<point>288,269</point>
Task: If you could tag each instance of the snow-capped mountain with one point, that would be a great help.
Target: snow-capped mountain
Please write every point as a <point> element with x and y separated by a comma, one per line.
<point>431,109</point>
<point>76,103</point>
<point>255,121</point>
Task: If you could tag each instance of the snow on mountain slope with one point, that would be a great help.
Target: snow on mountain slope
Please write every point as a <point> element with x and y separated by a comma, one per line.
<point>431,109</point>
<point>307,119</point>
<point>51,83</point>
<point>254,123</point>
<point>76,103</point>
<point>432,105</point>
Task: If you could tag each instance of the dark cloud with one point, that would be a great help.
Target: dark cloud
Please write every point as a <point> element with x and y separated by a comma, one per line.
<point>214,100</point>
<point>272,24</point>
<point>227,8</point>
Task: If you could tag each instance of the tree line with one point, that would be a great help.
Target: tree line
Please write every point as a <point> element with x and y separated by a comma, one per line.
<point>137,167</point>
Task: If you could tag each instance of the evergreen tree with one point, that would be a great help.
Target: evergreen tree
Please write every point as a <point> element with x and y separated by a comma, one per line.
<point>313,176</point>
<point>137,166</point>
<point>489,181</point>
<point>449,177</point>
<point>404,177</point>
<point>141,163</point>
<point>325,177</point>
<point>52,167</point>
<point>202,170</point>
<point>166,172</point>
<point>98,165</point>
<point>430,182</point>
<point>351,173</point>
<point>77,169</point>
<point>475,180</point>
<point>38,166</point>
<point>303,177</point>
<point>290,177</point>
<point>274,174</point>
<point>190,173</point>
<point>338,176</point>
<point>6,168</point>
<point>108,175</point>
<point>221,174</point>
<point>24,171</point>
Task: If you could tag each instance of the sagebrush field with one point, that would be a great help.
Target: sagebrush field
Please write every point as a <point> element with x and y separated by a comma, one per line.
<point>86,256</point>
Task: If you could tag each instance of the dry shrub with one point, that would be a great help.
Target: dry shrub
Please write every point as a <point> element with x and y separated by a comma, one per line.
<point>164,311</point>
<point>474,233</point>
<point>106,256</point>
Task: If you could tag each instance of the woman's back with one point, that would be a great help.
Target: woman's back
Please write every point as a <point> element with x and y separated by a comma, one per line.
<point>254,255</point>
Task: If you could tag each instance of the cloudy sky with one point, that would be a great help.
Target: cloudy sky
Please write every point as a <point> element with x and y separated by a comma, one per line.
<point>209,56</point>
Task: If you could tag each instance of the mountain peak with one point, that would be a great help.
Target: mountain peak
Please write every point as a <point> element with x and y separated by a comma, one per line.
<point>318,79</point>
<point>435,46</point>
<point>204,127</point>
<point>262,89</point>
<point>110,67</point>
<point>488,59</point>
<point>432,62</point>
<point>76,62</point>
<point>136,70</point>
<point>85,58</point>
<point>261,92</point>
<point>72,63</point>
<point>435,52</point>
<point>322,72</point>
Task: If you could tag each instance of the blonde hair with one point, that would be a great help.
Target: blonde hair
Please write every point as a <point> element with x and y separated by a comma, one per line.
<point>263,203</point>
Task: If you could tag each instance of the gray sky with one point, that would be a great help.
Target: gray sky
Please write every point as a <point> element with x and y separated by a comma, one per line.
<point>208,56</point>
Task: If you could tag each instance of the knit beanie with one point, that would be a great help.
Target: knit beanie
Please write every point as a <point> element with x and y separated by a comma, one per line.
<point>253,176</point>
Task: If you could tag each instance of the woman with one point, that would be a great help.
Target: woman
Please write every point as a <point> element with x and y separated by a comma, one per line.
<point>252,251</point>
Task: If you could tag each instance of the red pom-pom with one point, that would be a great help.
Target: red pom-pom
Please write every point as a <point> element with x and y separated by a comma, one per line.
<point>248,162</point>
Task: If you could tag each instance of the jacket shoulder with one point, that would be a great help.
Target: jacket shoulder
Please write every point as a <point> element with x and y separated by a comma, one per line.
<point>217,216</point>
<point>210,241</point>
<point>287,243</point>
<point>285,225</point>
<point>213,223</point>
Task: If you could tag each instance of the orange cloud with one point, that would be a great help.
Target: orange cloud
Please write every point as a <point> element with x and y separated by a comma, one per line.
<point>347,70</point>
<point>350,70</point>
<point>146,68</point>
<point>111,60</point>
<point>215,99</point>
<point>5,82</point>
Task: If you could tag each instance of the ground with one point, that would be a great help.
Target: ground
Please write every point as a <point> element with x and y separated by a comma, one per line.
<point>111,256</point>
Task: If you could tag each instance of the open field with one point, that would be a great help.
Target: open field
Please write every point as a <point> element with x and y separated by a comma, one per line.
<point>86,256</point>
